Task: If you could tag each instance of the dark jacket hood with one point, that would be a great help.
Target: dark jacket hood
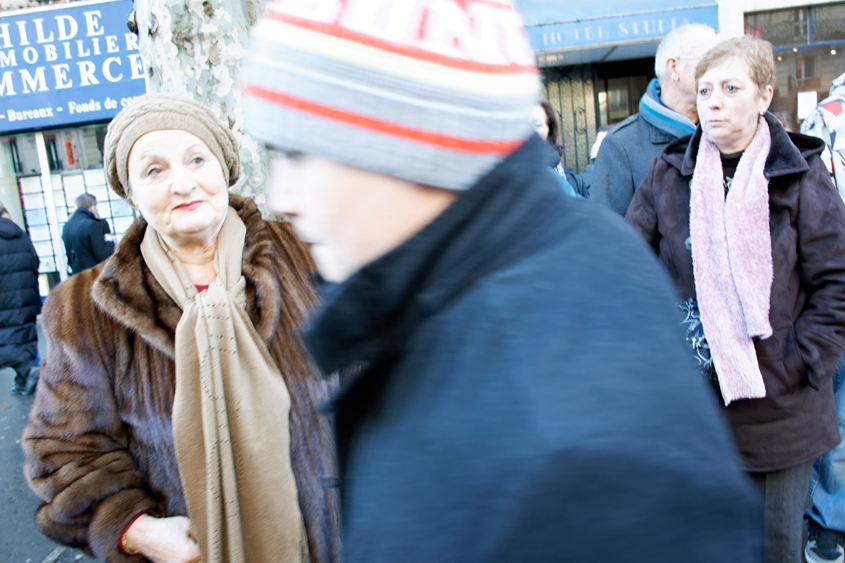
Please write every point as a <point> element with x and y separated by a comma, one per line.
<point>9,230</point>
<point>788,155</point>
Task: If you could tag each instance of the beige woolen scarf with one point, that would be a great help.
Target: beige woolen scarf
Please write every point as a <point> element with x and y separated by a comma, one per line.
<point>230,414</point>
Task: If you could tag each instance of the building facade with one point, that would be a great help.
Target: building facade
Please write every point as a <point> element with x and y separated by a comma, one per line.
<point>65,71</point>
<point>598,58</point>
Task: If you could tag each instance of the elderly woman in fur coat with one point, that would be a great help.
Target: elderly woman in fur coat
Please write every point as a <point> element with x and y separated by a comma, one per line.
<point>750,228</point>
<point>175,417</point>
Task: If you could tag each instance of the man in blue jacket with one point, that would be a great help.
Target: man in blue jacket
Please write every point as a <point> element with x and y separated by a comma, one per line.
<point>86,236</point>
<point>515,385</point>
<point>667,111</point>
<point>20,303</point>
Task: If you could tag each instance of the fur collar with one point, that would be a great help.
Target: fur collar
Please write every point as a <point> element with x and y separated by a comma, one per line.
<point>789,153</point>
<point>126,290</point>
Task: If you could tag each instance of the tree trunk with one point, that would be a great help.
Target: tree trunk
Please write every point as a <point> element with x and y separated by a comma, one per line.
<point>192,47</point>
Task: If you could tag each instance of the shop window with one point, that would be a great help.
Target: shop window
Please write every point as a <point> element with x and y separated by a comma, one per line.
<point>17,167</point>
<point>620,87</point>
<point>75,159</point>
<point>780,27</point>
<point>828,23</point>
<point>52,154</point>
<point>807,59</point>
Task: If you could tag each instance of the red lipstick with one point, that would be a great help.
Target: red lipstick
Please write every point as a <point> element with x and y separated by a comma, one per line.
<point>190,206</point>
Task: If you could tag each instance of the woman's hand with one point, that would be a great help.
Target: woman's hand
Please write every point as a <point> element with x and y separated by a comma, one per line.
<point>163,540</point>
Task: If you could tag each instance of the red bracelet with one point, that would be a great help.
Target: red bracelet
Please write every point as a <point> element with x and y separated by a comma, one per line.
<point>122,543</point>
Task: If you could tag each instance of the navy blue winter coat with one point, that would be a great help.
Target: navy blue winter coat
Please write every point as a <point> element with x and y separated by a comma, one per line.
<point>20,301</point>
<point>85,243</point>
<point>519,390</point>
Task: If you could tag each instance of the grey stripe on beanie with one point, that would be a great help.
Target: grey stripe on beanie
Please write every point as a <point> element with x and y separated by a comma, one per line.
<point>165,112</point>
<point>431,166</point>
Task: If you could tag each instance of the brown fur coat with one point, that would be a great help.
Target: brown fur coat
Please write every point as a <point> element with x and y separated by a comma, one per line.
<point>99,446</point>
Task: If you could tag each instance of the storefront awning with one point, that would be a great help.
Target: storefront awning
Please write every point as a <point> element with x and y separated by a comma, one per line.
<point>565,32</point>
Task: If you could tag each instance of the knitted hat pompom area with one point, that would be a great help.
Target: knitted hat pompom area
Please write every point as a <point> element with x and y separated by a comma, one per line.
<point>165,112</point>
<point>436,93</point>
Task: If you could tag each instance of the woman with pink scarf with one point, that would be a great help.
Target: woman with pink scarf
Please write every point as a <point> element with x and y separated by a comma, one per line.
<point>746,221</point>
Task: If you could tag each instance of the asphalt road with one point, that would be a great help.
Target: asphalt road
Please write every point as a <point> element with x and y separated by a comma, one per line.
<point>20,540</point>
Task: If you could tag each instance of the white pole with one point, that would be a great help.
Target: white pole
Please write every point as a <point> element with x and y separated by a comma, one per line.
<point>50,200</point>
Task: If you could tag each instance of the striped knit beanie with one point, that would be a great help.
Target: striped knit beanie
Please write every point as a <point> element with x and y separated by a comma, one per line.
<point>435,92</point>
<point>168,112</point>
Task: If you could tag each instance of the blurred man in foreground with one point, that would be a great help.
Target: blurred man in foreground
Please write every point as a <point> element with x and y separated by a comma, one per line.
<point>518,387</point>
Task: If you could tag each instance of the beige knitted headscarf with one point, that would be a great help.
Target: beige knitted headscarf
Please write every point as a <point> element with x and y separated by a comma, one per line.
<point>165,112</point>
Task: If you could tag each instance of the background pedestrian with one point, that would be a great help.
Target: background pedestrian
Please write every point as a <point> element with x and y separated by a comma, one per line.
<point>667,111</point>
<point>547,126</point>
<point>20,303</point>
<point>85,236</point>
<point>826,516</point>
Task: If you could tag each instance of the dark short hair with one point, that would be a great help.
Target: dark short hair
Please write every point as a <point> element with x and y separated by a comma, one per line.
<point>85,201</point>
<point>756,53</point>
<point>554,137</point>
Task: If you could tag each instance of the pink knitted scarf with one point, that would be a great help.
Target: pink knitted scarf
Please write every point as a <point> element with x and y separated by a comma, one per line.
<point>732,262</point>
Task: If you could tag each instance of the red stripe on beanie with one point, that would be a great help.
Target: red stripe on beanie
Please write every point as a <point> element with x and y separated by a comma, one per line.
<point>374,124</point>
<point>335,30</point>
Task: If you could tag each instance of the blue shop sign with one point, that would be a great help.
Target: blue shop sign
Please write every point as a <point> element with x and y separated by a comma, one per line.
<point>641,27</point>
<point>68,64</point>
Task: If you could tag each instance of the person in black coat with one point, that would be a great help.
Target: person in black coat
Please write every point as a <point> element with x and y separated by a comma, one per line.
<point>515,385</point>
<point>745,210</point>
<point>20,302</point>
<point>85,236</point>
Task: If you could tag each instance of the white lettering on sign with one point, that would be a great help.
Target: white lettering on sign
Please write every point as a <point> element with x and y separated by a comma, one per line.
<point>30,55</point>
<point>87,73</point>
<point>39,31</point>
<point>33,83</point>
<point>7,87</point>
<point>87,107</point>
<point>22,33</point>
<point>7,58</point>
<point>40,113</point>
<point>52,51</point>
<point>67,27</point>
<point>4,35</point>
<point>92,23</point>
<point>136,66</point>
<point>62,80</point>
<point>126,101</point>
<point>82,51</point>
<point>131,42</point>
<point>107,69</point>
<point>603,33</point>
